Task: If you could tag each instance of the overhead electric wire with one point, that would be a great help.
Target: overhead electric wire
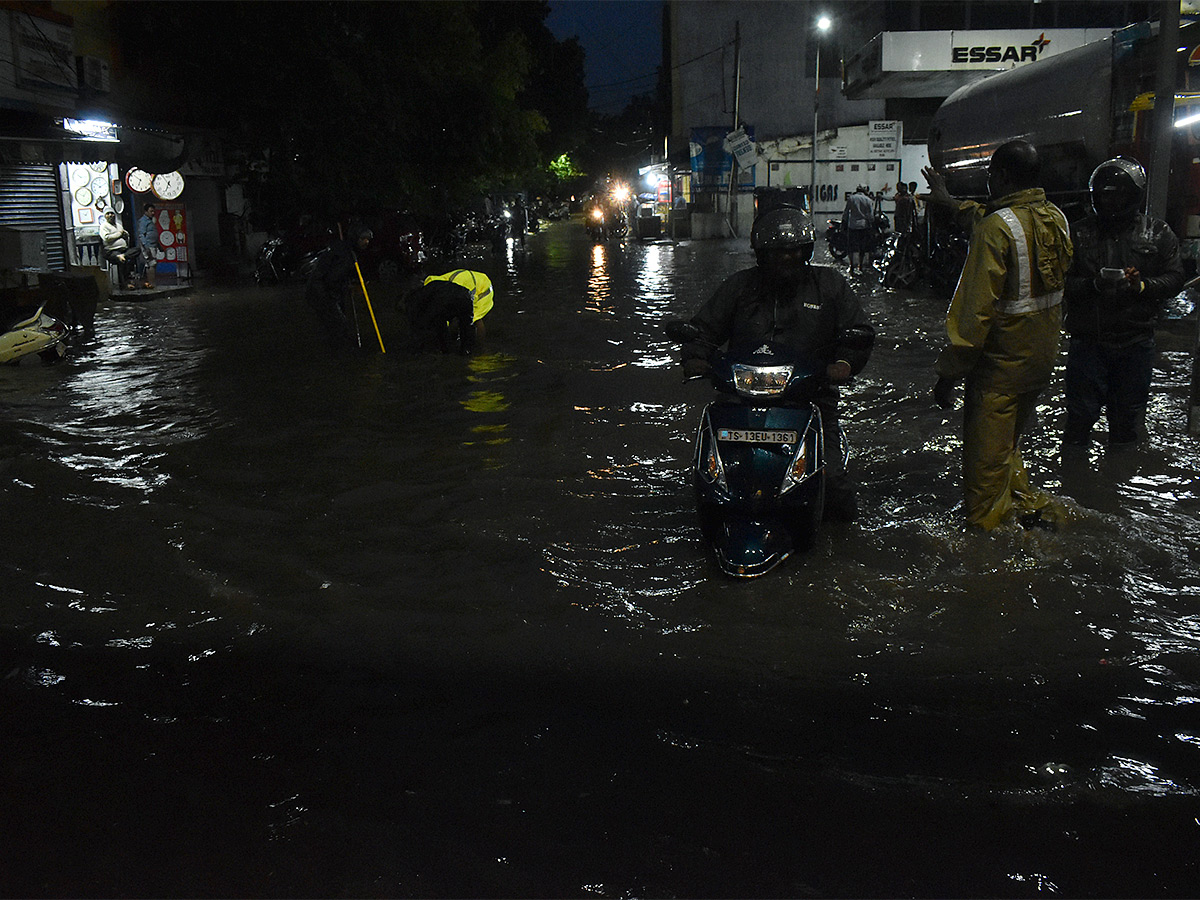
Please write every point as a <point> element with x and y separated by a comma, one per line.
<point>613,84</point>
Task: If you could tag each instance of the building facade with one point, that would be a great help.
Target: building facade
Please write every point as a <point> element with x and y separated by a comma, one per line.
<point>72,148</point>
<point>884,69</point>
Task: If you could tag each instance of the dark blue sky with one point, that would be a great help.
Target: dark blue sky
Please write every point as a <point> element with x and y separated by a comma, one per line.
<point>623,43</point>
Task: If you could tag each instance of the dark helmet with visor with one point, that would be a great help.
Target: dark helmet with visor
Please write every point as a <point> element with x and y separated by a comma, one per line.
<point>784,228</point>
<point>1117,188</point>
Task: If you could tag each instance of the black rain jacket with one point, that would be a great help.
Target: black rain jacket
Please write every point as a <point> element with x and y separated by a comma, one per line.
<point>1121,319</point>
<point>821,319</point>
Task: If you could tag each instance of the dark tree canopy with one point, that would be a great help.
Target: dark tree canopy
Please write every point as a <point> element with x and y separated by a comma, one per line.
<point>370,104</point>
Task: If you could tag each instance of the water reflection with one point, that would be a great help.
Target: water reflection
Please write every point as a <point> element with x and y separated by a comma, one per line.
<point>488,370</point>
<point>599,286</point>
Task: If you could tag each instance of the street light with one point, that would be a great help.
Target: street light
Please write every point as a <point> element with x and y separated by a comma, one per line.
<point>823,25</point>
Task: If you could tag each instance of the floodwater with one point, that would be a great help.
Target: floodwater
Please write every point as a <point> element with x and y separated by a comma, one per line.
<point>283,624</point>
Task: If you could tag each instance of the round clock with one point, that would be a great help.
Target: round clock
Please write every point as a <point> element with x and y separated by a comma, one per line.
<point>98,166</point>
<point>99,186</point>
<point>167,186</point>
<point>84,197</point>
<point>138,181</point>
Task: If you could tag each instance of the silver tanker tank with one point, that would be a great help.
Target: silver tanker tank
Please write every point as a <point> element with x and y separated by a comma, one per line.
<point>1065,105</point>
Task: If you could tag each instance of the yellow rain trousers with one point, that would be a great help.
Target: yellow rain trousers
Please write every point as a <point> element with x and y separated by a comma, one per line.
<point>1003,327</point>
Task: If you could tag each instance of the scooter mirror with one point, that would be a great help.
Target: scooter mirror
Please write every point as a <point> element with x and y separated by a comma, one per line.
<point>681,331</point>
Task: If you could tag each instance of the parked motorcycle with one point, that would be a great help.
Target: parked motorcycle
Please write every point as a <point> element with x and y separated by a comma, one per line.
<point>835,237</point>
<point>903,260</point>
<point>40,334</point>
<point>292,256</point>
<point>760,457</point>
<point>934,253</point>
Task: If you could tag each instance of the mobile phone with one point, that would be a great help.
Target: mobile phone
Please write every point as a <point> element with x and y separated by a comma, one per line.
<point>1108,273</point>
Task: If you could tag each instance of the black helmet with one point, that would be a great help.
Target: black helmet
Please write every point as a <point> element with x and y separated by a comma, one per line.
<point>1117,187</point>
<point>783,228</point>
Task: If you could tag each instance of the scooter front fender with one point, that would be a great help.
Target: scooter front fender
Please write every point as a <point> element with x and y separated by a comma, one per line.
<point>748,547</point>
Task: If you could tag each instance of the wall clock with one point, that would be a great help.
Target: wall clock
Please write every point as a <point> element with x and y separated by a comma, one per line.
<point>167,186</point>
<point>138,181</point>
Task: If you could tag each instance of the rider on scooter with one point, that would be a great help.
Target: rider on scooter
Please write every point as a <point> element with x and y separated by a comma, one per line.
<point>810,309</point>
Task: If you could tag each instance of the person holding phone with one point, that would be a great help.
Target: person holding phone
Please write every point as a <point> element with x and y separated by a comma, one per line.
<point>1126,264</point>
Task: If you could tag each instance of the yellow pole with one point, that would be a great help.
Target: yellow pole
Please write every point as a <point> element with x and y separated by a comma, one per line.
<point>382,349</point>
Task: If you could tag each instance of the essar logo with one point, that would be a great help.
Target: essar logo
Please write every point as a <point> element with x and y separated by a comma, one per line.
<point>1000,54</point>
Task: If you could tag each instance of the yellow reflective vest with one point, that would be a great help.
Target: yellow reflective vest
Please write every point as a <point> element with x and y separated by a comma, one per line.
<point>1004,320</point>
<point>477,283</point>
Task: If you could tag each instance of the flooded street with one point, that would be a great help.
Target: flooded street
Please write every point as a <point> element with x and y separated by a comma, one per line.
<point>278,623</point>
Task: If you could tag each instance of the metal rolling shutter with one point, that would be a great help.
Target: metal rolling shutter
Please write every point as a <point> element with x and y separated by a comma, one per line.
<point>29,197</point>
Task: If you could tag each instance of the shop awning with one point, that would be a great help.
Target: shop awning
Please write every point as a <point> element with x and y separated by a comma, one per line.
<point>28,137</point>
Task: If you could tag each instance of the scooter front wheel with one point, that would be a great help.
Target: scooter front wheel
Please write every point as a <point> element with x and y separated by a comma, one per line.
<point>808,520</point>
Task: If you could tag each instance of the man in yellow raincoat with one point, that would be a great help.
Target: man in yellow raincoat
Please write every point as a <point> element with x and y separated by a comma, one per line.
<point>461,296</point>
<point>1003,327</point>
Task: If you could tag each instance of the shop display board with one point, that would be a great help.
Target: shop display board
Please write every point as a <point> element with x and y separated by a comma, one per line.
<point>174,243</point>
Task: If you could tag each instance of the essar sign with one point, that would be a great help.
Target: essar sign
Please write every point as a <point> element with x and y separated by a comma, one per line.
<point>998,54</point>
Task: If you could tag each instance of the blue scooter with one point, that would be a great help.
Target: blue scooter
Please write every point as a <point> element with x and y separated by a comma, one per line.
<point>760,460</point>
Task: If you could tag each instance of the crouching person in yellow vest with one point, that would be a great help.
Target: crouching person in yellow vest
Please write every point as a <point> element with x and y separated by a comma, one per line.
<point>449,308</point>
<point>1003,332</point>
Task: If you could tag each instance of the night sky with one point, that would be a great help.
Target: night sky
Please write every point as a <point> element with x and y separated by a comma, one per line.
<point>623,42</point>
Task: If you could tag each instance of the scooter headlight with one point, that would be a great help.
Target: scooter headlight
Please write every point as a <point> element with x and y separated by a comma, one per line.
<point>760,381</point>
<point>597,214</point>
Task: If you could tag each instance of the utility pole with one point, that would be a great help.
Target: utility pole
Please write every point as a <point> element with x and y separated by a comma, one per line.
<point>1164,108</point>
<point>737,99</point>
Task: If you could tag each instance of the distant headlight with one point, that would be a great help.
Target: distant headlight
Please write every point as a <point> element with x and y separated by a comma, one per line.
<point>760,381</point>
<point>597,214</point>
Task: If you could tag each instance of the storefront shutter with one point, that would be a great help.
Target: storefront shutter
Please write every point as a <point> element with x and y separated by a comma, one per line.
<point>29,197</point>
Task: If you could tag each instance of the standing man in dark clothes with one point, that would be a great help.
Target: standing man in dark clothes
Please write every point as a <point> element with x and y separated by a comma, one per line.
<point>328,287</point>
<point>1126,264</point>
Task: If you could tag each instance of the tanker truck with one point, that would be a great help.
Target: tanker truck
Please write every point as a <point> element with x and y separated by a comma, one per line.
<point>1079,108</point>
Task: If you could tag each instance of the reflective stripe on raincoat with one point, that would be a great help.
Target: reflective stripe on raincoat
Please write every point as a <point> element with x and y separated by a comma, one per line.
<point>480,286</point>
<point>1006,314</point>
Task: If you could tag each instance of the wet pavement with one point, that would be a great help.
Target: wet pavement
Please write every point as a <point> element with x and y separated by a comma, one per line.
<point>285,623</point>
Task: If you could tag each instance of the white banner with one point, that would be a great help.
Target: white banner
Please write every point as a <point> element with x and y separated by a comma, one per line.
<point>742,148</point>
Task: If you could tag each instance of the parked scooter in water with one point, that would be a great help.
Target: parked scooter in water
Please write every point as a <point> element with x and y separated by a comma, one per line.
<point>759,469</point>
<point>40,334</point>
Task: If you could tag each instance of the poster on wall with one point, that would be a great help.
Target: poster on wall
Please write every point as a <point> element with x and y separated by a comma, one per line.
<point>712,162</point>
<point>173,241</point>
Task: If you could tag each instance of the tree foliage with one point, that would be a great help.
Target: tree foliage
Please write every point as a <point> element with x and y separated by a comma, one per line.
<point>370,104</point>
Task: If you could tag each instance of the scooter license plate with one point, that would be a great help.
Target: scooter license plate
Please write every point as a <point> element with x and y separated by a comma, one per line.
<point>756,437</point>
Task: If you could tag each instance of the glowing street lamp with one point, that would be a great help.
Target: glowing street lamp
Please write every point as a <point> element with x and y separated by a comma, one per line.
<point>823,25</point>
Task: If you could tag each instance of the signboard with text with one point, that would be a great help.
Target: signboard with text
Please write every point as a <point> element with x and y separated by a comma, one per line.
<point>944,51</point>
<point>712,163</point>
<point>883,139</point>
